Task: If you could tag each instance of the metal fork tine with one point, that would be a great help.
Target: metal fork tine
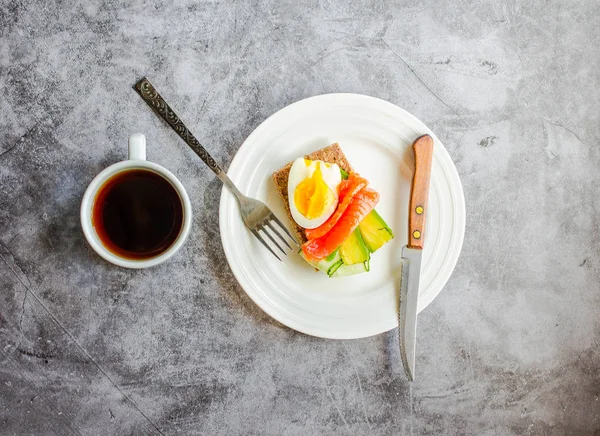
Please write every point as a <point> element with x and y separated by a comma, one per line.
<point>272,239</point>
<point>274,218</point>
<point>255,233</point>
<point>272,227</point>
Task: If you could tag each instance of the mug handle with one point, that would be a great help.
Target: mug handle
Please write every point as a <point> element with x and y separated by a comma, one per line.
<point>137,147</point>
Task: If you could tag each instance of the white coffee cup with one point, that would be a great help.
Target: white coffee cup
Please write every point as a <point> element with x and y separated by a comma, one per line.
<point>136,160</point>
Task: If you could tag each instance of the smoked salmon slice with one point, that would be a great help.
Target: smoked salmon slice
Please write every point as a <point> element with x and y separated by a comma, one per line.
<point>360,206</point>
<point>347,191</point>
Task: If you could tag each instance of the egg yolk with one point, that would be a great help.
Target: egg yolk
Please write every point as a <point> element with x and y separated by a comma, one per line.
<point>312,196</point>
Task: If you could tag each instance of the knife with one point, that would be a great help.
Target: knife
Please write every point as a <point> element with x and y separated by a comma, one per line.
<point>412,253</point>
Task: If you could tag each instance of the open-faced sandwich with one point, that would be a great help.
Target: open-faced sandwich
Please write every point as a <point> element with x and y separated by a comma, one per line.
<point>331,208</point>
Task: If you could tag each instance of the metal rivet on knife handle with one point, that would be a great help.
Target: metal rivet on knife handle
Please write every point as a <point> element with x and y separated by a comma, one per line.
<point>423,148</point>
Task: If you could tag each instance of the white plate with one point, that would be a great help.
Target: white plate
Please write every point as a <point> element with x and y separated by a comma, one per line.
<point>376,136</point>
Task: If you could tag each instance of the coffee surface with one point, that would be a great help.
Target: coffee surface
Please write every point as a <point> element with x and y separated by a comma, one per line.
<point>137,214</point>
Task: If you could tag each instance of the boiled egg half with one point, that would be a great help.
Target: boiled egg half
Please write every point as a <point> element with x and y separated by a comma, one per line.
<point>312,191</point>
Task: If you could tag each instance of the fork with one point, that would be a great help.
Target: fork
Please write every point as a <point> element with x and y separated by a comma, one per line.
<point>257,217</point>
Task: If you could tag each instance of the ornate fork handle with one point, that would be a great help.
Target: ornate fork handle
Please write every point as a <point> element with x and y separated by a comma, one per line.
<point>156,102</point>
<point>160,106</point>
<point>257,217</point>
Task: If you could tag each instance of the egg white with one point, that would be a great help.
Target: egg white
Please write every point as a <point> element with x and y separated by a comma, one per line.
<point>300,171</point>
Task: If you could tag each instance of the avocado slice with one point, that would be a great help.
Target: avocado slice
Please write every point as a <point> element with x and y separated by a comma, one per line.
<point>375,231</point>
<point>353,250</point>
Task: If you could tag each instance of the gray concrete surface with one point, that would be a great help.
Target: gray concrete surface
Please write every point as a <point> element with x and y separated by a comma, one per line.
<point>511,345</point>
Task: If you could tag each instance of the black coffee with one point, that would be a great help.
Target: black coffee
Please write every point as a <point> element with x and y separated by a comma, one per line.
<point>137,214</point>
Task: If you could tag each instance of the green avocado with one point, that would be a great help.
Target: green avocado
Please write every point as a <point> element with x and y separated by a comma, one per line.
<point>353,250</point>
<point>375,231</point>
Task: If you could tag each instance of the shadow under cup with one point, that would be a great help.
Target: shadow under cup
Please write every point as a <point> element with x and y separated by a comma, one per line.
<point>137,214</point>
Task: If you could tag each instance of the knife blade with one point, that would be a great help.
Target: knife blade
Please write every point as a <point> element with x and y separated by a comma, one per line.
<point>412,253</point>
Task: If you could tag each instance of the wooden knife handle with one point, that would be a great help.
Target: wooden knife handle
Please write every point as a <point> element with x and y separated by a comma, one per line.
<point>423,147</point>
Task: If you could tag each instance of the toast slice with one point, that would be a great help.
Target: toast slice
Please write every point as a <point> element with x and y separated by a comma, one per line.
<point>330,154</point>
